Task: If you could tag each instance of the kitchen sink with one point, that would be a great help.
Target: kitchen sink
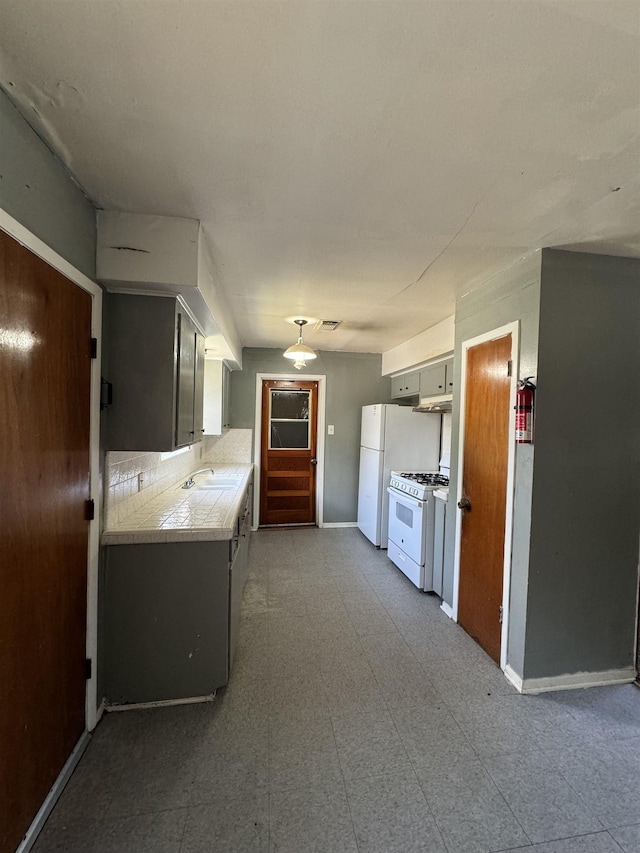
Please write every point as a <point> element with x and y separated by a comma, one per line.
<point>218,483</point>
<point>214,483</point>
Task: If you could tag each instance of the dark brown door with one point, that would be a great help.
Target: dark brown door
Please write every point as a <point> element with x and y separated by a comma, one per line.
<point>288,455</point>
<point>484,487</point>
<point>45,367</point>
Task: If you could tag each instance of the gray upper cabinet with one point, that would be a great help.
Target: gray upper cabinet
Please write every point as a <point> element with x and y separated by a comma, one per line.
<point>437,379</point>
<point>190,390</point>
<point>155,361</point>
<point>198,393</point>
<point>185,393</point>
<point>407,385</point>
<point>449,376</point>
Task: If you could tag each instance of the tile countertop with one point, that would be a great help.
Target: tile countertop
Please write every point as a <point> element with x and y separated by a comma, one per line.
<point>186,515</point>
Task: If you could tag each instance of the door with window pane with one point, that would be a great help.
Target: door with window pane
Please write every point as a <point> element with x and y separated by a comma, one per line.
<point>288,457</point>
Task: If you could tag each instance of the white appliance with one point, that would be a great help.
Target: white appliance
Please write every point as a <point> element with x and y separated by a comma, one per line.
<point>412,521</point>
<point>392,437</point>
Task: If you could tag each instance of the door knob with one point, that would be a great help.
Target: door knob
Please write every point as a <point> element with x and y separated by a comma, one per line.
<point>464,503</point>
<point>314,461</point>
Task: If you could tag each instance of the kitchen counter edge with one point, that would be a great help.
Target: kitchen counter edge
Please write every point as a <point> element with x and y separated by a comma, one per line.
<point>123,535</point>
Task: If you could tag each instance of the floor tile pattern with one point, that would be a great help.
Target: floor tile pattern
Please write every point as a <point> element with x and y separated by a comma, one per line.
<point>358,718</point>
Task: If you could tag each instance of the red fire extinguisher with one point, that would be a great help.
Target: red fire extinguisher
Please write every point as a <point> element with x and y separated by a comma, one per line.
<point>524,410</point>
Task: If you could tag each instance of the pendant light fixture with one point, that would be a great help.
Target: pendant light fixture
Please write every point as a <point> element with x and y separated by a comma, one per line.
<point>300,352</point>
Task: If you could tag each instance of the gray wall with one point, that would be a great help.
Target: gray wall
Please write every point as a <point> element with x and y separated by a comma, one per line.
<point>576,529</point>
<point>353,381</point>
<point>513,295</point>
<point>585,520</point>
<point>37,190</point>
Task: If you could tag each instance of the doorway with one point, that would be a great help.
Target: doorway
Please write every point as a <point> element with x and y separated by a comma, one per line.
<point>485,488</point>
<point>289,460</point>
<point>47,395</point>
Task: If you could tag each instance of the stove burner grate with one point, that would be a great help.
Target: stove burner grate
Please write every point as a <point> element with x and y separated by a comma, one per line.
<point>426,479</point>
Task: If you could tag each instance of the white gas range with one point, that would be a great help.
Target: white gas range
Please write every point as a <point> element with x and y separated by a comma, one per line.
<point>411,522</point>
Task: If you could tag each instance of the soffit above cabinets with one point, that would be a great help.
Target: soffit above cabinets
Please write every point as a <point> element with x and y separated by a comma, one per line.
<point>165,255</point>
<point>363,161</point>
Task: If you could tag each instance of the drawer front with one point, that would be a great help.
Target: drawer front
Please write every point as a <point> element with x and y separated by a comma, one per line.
<point>407,566</point>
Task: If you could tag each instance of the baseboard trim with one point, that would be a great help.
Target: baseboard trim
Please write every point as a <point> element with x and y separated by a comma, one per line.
<point>339,524</point>
<point>446,609</point>
<point>161,703</point>
<point>100,711</point>
<point>513,678</point>
<point>570,681</point>
<point>54,794</point>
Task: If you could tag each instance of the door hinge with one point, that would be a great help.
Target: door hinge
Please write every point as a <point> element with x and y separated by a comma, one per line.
<point>94,347</point>
<point>500,614</point>
<point>509,367</point>
<point>89,510</point>
<point>88,668</point>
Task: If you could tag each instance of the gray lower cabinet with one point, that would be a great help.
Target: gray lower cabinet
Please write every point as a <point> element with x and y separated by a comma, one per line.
<point>438,544</point>
<point>171,617</point>
<point>238,572</point>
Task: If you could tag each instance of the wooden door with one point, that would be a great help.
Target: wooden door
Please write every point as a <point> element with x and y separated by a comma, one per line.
<point>484,487</point>
<point>288,455</point>
<point>45,375</point>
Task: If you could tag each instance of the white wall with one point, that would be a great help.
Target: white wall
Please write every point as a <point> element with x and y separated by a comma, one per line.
<point>438,340</point>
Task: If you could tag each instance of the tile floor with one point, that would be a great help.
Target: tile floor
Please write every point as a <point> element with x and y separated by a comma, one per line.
<point>358,718</point>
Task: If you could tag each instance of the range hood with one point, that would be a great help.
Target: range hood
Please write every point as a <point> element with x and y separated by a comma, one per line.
<point>435,405</point>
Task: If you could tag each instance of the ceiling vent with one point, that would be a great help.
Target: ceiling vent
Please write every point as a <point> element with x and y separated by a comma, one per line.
<point>327,325</point>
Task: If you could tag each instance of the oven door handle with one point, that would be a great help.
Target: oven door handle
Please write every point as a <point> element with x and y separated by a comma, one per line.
<point>404,499</point>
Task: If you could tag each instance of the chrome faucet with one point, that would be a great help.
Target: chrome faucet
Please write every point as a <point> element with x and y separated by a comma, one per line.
<point>191,482</point>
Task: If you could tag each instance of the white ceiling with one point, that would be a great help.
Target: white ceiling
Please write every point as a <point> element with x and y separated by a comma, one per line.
<point>355,161</point>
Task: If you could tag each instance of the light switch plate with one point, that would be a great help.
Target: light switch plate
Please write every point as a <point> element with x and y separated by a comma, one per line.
<point>330,429</point>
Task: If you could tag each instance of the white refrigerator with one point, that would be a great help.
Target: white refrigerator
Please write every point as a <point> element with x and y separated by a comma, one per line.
<point>393,438</point>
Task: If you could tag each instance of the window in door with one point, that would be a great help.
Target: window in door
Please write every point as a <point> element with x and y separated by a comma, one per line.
<point>289,419</point>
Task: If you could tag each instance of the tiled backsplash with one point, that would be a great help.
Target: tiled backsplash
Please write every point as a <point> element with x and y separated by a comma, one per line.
<point>233,446</point>
<point>134,478</point>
